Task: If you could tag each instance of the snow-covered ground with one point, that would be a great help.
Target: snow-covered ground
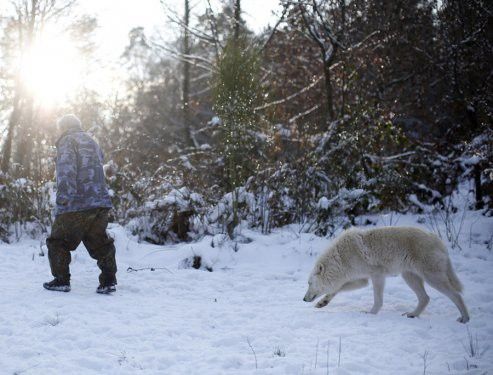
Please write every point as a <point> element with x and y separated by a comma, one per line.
<point>186,321</point>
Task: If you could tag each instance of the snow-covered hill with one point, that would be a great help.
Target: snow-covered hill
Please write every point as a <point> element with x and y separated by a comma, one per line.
<point>245,317</point>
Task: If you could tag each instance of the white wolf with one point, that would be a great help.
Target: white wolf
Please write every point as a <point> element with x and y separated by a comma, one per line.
<point>358,255</point>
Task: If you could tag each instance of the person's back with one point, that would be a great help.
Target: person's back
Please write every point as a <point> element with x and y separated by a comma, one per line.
<point>80,176</point>
<point>82,206</point>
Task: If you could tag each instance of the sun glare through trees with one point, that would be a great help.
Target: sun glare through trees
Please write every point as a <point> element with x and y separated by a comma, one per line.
<point>51,69</point>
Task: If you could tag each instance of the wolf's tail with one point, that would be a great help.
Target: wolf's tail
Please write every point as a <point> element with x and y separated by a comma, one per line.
<point>454,280</point>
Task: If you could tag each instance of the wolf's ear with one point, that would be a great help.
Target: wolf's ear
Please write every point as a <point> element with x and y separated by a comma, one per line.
<point>320,268</point>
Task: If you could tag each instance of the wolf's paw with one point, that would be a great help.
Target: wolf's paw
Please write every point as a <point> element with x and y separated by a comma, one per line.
<point>374,310</point>
<point>463,319</point>
<point>321,304</point>
<point>324,301</point>
<point>410,315</point>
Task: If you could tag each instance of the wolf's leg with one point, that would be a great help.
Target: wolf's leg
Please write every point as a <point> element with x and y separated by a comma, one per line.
<point>350,285</point>
<point>440,282</point>
<point>325,300</point>
<point>378,281</point>
<point>416,284</point>
<point>353,285</point>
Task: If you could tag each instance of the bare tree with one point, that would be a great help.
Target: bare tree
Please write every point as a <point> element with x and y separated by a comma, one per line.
<point>13,122</point>
<point>186,75</point>
<point>342,6</point>
<point>320,30</point>
<point>28,18</point>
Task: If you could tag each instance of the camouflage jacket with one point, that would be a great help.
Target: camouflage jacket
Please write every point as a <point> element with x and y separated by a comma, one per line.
<point>79,174</point>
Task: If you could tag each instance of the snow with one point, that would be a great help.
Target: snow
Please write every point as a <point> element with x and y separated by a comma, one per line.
<point>323,203</point>
<point>432,192</point>
<point>473,160</point>
<point>179,198</point>
<point>352,194</point>
<point>177,320</point>
<point>215,121</point>
<point>414,199</point>
<point>283,131</point>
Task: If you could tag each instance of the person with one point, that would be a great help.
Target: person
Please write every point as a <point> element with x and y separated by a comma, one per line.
<point>82,207</point>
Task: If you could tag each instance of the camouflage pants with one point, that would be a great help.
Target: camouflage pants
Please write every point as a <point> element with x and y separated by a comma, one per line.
<point>88,227</point>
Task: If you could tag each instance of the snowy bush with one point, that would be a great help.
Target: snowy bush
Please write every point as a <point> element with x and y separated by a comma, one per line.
<point>177,216</point>
<point>197,262</point>
<point>476,162</point>
<point>323,181</point>
<point>25,208</point>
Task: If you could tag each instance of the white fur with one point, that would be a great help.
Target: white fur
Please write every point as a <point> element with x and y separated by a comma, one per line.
<point>358,255</point>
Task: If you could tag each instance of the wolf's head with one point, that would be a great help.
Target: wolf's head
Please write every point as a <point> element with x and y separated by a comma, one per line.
<point>327,275</point>
<point>316,283</point>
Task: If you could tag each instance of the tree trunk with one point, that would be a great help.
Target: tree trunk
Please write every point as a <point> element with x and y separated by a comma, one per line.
<point>237,18</point>
<point>328,92</point>
<point>342,5</point>
<point>186,77</point>
<point>478,188</point>
<point>7,147</point>
<point>23,154</point>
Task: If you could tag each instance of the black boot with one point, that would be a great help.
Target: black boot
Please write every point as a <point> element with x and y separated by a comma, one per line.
<point>58,285</point>
<point>106,288</point>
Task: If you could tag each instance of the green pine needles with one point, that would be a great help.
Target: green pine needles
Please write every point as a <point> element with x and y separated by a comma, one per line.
<point>236,93</point>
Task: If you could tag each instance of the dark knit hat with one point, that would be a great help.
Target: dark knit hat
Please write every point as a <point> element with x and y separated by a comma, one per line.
<point>69,122</point>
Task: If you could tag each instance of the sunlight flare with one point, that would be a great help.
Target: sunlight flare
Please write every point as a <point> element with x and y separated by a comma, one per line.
<point>51,69</point>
